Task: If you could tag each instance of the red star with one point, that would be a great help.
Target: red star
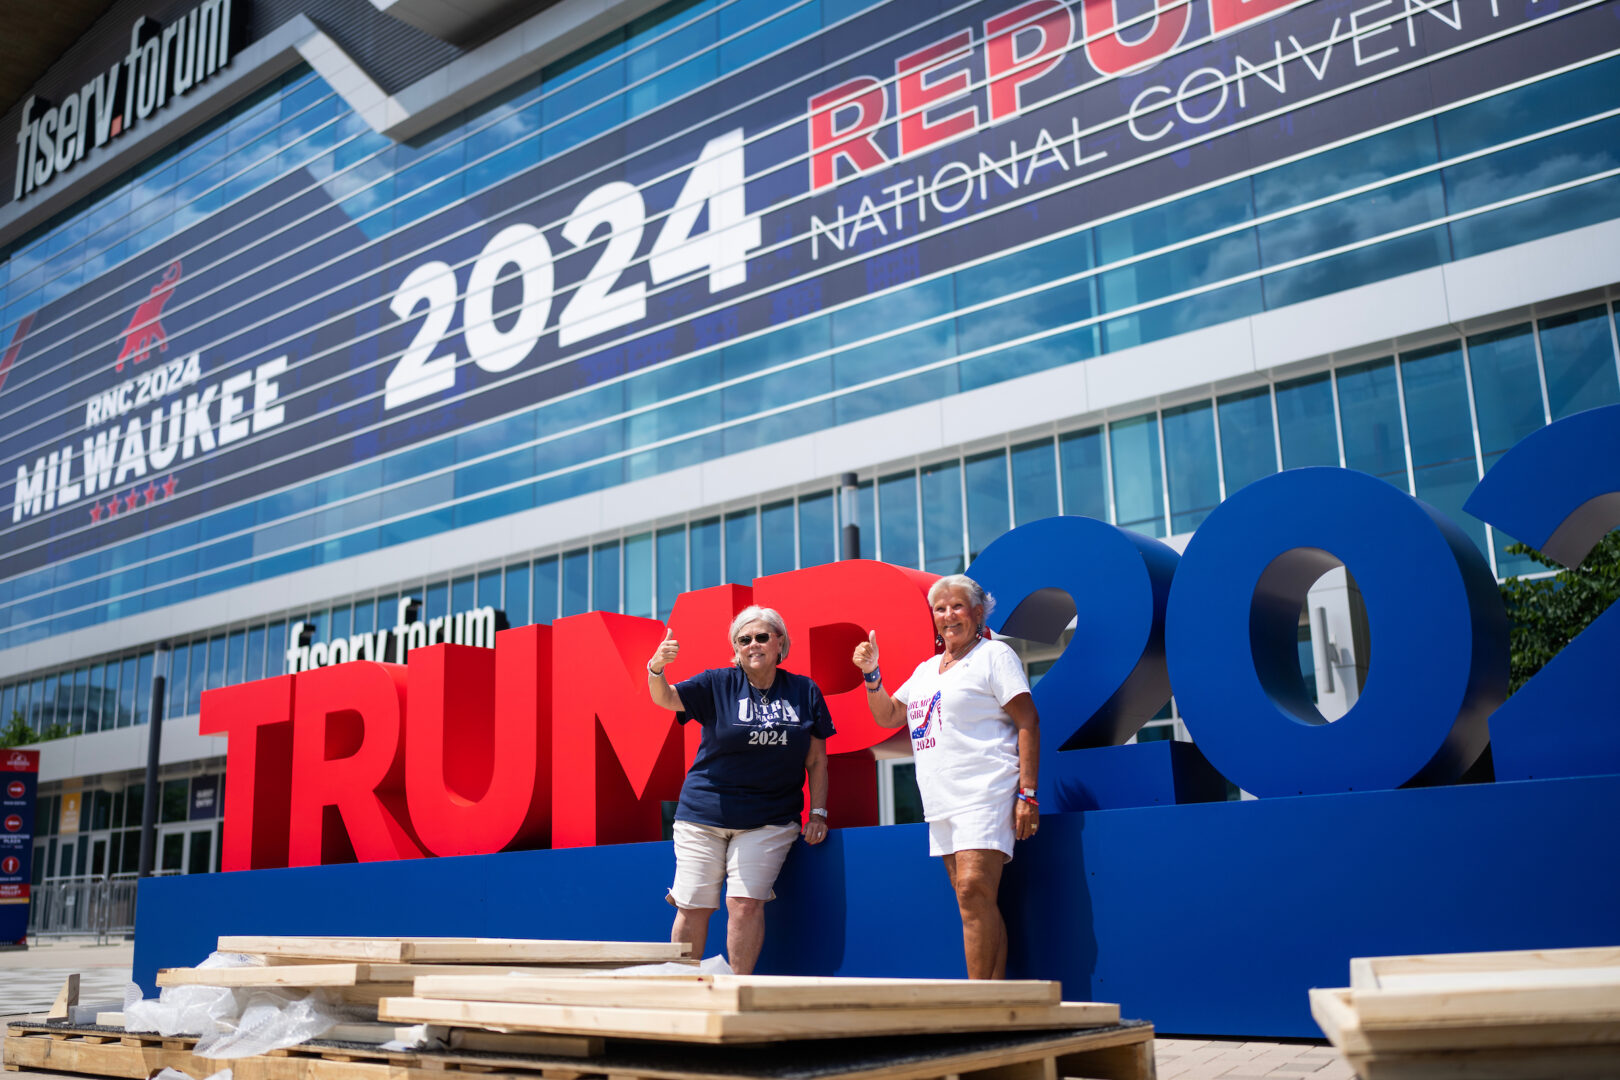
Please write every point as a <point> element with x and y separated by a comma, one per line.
<point>95,512</point>
<point>151,492</point>
<point>168,487</point>
<point>129,500</point>
<point>112,506</point>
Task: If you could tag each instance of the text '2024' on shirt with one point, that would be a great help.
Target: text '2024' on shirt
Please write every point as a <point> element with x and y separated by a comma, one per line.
<point>749,769</point>
<point>963,741</point>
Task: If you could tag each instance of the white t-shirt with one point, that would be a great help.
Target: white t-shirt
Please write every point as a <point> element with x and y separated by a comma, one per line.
<point>964,743</point>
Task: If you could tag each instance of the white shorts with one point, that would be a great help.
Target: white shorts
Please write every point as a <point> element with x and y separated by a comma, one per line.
<point>747,860</point>
<point>985,828</point>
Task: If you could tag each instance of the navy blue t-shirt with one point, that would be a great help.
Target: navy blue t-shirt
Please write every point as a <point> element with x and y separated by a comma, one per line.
<point>749,769</point>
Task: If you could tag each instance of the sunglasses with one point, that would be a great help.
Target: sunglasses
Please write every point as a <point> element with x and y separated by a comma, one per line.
<point>757,639</point>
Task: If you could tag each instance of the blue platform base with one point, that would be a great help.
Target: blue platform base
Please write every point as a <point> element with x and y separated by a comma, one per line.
<point>1213,918</point>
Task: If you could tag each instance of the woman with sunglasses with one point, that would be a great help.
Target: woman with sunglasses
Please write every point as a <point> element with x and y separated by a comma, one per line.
<point>764,730</point>
<point>975,737</point>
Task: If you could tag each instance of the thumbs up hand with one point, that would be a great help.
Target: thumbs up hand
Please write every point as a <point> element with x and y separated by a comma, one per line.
<point>667,651</point>
<point>866,653</point>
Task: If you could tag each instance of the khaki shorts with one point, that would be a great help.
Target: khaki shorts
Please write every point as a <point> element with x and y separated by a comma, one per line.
<point>987,828</point>
<point>747,860</point>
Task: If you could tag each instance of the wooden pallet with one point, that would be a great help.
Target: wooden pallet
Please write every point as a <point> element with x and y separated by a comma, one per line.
<point>1117,1052</point>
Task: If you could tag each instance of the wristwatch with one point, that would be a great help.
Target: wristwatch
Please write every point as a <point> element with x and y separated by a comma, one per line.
<point>819,811</point>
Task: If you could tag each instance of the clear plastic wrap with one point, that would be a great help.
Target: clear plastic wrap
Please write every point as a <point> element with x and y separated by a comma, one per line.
<point>233,1023</point>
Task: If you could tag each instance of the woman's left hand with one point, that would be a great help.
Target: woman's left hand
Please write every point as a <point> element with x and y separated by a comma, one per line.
<point>1026,819</point>
<point>814,830</point>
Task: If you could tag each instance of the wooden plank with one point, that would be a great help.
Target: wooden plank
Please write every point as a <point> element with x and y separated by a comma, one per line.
<point>741,993</point>
<point>34,1051</point>
<point>65,1000</point>
<point>1504,1063</point>
<point>505,1042</point>
<point>1336,1016</point>
<point>457,950</point>
<point>691,1025</point>
<point>300,977</point>
<point>404,972</point>
<point>1487,1004</point>
<point>1387,970</point>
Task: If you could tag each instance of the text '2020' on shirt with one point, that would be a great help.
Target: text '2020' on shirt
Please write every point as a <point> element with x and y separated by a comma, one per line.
<point>963,741</point>
<point>749,769</point>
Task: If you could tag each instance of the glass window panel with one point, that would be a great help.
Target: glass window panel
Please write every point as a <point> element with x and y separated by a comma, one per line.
<point>942,518</point>
<point>1138,474</point>
<point>1369,405</point>
<point>463,594</point>
<point>489,590</point>
<point>818,539</point>
<point>275,648</point>
<point>546,589</point>
<point>576,582</point>
<point>1034,481</point>
<point>776,538</point>
<point>235,649</point>
<point>1508,405</point>
<point>8,703</point>
<point>1305,422</point>
<point>143,688</point>
<point>255,655</point>
<point>201,844</point>
<point>338,627</point>
<point>1085,482</point>
<point>605,577</point>
<point>176,801</point>
<point>48,704</point>
<point>742,556</point>
<point>436,601</point>
<point>1248,439</point>
<point>81,696</point>
<point>1579,357</point>
<point>671,568</point>
<point>198,676</point>
<point>1189,452</point>
<point>126,692</point>
<point>515,601</point>
<point>1441,432</point>
<point>988,508</point>
<point>897,512</point>
<point>704,541</point>
<point>638,575</point>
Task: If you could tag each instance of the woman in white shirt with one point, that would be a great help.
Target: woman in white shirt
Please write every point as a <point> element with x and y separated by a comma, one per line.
<point>976,740</point>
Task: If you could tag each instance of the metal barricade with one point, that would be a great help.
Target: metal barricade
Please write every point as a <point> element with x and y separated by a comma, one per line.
<point>90,907</point>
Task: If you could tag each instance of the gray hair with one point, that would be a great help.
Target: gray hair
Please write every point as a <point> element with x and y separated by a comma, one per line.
<point>976,595</point>
<point>769,616</point>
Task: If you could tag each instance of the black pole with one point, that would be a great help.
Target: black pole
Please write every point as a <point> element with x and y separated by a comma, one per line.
<point>154,747</point>
<point>849,496</point>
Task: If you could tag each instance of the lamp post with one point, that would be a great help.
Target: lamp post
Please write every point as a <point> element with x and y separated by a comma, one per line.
<point>849,506</point>
<point>154,748</point>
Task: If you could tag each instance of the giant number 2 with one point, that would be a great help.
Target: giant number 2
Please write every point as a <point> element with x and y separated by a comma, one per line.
<point>1558,490</point>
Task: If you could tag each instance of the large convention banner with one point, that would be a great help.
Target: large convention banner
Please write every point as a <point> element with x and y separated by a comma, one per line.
<point>282,338</point>
<point>19,781</point>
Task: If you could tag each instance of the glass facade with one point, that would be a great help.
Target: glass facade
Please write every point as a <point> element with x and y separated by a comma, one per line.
<point>1529,161</point>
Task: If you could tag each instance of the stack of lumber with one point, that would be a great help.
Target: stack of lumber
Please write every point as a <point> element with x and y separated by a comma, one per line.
<point>361,971</point>
<point>1504,1014</point>
<point>548,1010</point>
<point>739,1008</point>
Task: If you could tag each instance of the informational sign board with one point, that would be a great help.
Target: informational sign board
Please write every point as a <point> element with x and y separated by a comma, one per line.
<point>19,780</point>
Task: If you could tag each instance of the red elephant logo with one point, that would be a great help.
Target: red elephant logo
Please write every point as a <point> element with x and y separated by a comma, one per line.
<point>145,327</point>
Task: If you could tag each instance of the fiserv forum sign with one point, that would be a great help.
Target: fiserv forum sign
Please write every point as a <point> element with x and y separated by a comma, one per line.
<point>163,62</point>
<point>805,189</point>
<point>549,739</point>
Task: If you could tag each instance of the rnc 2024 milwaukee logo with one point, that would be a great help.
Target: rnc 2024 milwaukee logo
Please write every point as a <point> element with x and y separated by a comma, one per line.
<point>136,431</point>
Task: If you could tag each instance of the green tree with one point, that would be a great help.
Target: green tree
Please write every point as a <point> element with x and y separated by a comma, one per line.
<point>17,732</point>
<point>1547,612</point>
